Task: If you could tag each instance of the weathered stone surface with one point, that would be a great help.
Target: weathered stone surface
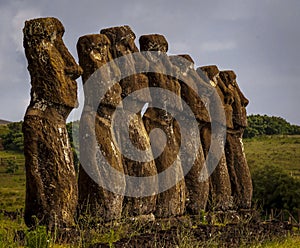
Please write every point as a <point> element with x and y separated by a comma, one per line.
<point>96,133</point>
<point>220,187</point>
<point>51,189</point>
<point>240,177</point>
<point>122,40</point>
<point>160,70</point>
<point>197,186</point>
<point>225,94</point>
<point>239,101</point>
<point>195,97</point>
<point>172,201</point>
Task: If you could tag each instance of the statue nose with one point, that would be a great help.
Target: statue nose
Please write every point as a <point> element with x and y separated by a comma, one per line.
<point>245,101</point>
<point>73,71</point>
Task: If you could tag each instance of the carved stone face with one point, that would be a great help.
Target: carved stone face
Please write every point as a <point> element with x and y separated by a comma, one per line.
<point>155,47</point>
<point>185,65</point>
<point>52,68</point>
<point>240,102</point>
<point>153,42</point>
<point>94,52</point>
<point>122,39</point>
<point>211,72</point>
<point>122,43</point>
<point>225,93</point>
<point>190,83</point>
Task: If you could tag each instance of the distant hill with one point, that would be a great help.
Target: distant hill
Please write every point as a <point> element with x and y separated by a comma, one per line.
<point>259,125</point>
<point>4,122</point>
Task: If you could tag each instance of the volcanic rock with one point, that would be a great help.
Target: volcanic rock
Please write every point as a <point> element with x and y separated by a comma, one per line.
<point>220,187</point>
<point>196,179</point>
<point>51,188</point>
<point>133,134</point>
<point>101,170</point>
<point>171,202</point>
<point>239,172</point>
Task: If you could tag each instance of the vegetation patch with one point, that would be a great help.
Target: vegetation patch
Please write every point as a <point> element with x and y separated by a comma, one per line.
<point>259,125</point>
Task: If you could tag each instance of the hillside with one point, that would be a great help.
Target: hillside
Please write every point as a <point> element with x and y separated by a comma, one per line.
<point>259,125</point>
<point>277,150</point>
<point>4,122</point>
<point>263,151</point>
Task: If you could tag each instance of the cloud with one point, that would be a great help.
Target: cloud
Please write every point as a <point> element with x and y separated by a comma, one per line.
<point>180,47</point>
<point>14,78</point>
<point>17,25</point>
<point>217,46</point>
<point>234,10</point>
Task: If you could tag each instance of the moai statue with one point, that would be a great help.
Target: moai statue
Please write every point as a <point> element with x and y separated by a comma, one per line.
<point>122,44</point>
<point>96,134</point>
<point>51,187</point>
<point>171,202</point>
<point>239,172</point>
<point>196,180</point>
<point>220,187</point>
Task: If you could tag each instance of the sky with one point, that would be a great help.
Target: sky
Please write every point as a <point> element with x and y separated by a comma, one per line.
<point>258,39</point>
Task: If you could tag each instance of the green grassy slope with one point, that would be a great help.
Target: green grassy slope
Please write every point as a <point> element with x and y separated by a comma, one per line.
<point>281,150</point>
<point>12,186</point>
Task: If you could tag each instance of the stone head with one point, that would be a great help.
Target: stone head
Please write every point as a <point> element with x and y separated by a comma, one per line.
<point>229,78</point>
<point>183,61</point>
<point>94,52</point>
<point>153,42</point>
<point>225,93</point>
<point>122,42</point>
<point>240,101</point>
<point>52,68</point>
<point>155,47</point>
<point>203,75</point>
<point>122,38</point>
<point>211,71</point>
<point>190,86</point>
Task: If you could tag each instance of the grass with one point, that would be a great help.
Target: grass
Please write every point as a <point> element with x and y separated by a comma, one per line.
<point>12,186</point>
<point>290,242</point>
<point>8,230</point>
<point>282,150</point>
<point>275,150</point>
